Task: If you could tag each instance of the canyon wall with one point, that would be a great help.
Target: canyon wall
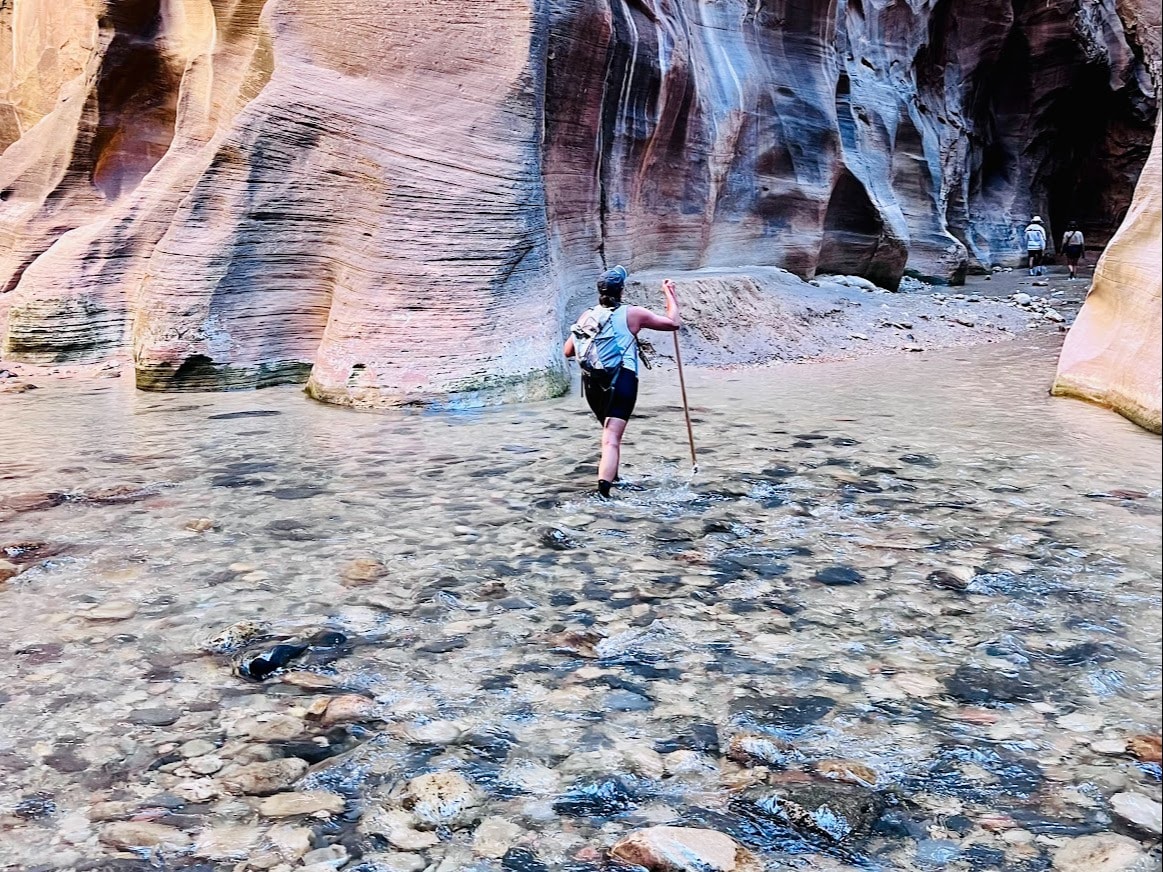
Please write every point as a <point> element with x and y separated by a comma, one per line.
<point>1113,354</point>
<point>870,138</point>
<point>391,202</point>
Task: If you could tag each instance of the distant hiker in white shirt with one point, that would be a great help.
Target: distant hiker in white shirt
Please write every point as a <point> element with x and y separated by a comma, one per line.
<point>1036,245</point>
<point>1073,246</point>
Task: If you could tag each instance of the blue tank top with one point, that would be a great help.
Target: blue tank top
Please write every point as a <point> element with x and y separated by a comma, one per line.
<point>626,340</point>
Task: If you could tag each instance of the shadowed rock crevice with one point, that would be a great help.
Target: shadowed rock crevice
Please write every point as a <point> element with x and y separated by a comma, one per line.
<point>137,97</point>
<point>853,229</point>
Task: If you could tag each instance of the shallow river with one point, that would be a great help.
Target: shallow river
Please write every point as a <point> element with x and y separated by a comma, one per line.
<point>920,574</point>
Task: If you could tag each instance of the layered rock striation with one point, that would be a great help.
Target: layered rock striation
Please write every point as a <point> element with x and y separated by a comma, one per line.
<point>392,202</point>
<point>1112,354</point>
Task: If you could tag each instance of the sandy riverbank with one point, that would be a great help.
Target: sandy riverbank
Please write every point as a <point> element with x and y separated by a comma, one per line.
<point>762,315</point>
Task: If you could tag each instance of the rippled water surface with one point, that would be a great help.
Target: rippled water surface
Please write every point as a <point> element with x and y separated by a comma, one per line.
<point>926,566</point>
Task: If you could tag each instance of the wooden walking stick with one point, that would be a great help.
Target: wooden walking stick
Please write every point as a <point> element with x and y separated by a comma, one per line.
<point>690,434</point>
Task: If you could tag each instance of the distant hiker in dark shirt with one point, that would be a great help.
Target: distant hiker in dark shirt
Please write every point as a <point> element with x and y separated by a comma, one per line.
<point>1074,247</point>
<point>1036,245</point>
<point>605,342</point>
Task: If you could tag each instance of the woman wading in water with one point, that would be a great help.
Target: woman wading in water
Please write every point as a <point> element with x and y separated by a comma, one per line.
<point>605,342</point>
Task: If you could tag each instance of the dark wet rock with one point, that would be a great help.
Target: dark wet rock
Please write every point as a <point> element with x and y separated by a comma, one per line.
<point>559,599</point>
<point>833,812</point>
<point>782,712</point>
<point>837,576</point>
<point>291,530</point>
<point>312,752</point>
<point>698,736</point>
<point>222,576</point>
<point>735,564</point>
<point>497,682</point>
<point>947,580</point>
<point>878,470</point>
<point>35,806</point>
<point>260,665</point>
<point>24,554</point>
<point>119,864</point>
<point>113,496</point>
<point>250,467</point>
<point>652,672</point>
<point>522,860</point>
<point>251,413</point>
<point>602,797</point>
<point>959,824</point>
<point>977,686</point>
<point>557,540</point>
<point>617,682</point>
<point>304,492</point>
<point>37,655</point>
<point>491,745</point>
<point>729,663</point>
<point>236,481</point>
<point>1012,774</point>
<point>920,460</point>
<point>1046,825</point>
<point>984,857</point>
<point>843,679</point>
<point>897,823</point>
<point>154,717</point>
<point>327,639</point>
<point>1082,654</point>
<point>627,701</point>
<point>13,762</point>
<point>443,646</point>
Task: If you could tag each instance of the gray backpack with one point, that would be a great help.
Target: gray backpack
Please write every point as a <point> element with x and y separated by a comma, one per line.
<point>595,344</point>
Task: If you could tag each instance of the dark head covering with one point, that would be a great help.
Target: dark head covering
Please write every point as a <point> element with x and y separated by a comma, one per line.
<point>610,286</point>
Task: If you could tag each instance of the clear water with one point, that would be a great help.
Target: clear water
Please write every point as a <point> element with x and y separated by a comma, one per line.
<point>695,599</point>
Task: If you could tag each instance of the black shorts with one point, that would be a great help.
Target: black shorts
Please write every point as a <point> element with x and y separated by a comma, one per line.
<point>611,394</point>
<point>1072,252</point>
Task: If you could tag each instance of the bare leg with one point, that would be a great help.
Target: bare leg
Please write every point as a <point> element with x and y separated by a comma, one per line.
<point>612,432</point>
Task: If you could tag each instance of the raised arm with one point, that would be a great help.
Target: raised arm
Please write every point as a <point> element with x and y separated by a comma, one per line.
<point>639,318</point>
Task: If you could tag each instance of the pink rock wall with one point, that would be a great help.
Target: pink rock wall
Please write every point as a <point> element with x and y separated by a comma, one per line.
<point>391,201</point>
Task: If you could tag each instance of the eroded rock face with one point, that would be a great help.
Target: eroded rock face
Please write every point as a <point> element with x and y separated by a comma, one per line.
<point>322,201</point>
<point>860,138</point>
<point>1112,353</point>
<point>392,202</point>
